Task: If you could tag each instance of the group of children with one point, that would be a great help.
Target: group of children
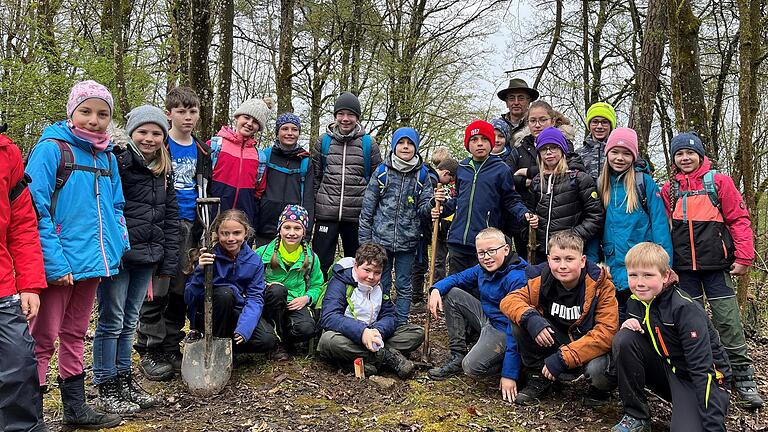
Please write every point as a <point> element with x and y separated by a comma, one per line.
<point>117,218</point>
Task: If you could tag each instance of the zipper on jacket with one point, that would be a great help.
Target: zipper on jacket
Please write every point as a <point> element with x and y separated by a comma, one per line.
<point>343,176</point>
<point>239,171</point>
<point>690,223</point>
<point>397,210</point>
<point>372,318</point>
<point>471,197</point>
<point>551,189</point>
<point>96,176</point>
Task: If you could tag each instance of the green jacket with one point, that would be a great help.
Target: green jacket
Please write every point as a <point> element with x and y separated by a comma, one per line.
<point>293,278</point>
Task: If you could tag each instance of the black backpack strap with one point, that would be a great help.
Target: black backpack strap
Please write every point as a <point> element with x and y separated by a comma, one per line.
<point>67,165</point>
<point>18,189</point>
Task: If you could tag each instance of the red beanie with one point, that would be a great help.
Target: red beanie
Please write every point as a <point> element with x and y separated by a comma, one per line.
<point>479,127</point>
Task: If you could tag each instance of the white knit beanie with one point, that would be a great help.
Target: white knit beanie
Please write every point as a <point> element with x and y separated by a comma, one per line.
<point>258,109</point>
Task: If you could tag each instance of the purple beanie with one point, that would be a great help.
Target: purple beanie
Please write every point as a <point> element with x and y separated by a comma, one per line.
<point>551,135</point>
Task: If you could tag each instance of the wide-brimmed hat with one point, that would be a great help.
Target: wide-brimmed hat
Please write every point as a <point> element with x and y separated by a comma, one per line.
<point>521,85</point>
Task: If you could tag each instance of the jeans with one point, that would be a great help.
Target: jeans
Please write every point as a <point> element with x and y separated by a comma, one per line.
<point>403,264</point>
<point>120,299</point>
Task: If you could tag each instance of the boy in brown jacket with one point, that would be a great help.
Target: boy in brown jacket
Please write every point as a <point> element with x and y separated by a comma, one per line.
<point>564,320</point>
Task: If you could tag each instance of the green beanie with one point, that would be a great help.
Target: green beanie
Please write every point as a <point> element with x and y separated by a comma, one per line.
<point>602,109</point>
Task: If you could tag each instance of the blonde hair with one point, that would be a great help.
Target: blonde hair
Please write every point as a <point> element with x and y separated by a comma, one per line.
<point>566,240</point>
<point>647,255</point>
<point>560,170</point>
<point>227,215</point>
<point>440,154</point>
<point>491,233</point>
<point>604,187</point>
<point>163,165</point>
<point>545,106</point>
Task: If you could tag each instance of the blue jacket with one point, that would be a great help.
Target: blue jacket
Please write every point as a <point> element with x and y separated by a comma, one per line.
<point>622,230</point>
<point>394,206</point>
<point>88,236</point>
<point>493,288</point>
<point>483,190</point>
<point>335,304</point>
<point>244,276</point>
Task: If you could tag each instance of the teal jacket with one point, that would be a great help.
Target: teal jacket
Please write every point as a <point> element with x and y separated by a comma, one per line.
<point>293,278</point>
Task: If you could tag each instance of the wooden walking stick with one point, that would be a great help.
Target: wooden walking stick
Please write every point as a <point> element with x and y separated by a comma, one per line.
<point>531,244</point>
<point>431,280</point>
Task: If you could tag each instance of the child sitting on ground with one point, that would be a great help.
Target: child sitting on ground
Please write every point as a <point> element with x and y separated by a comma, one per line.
<point>358,319</point>
<point>500,272</point>
<point>668,345</point>
<point>564,321</point>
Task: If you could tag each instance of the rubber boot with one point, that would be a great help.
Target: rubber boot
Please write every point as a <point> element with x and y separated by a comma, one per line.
<point>76,412</point>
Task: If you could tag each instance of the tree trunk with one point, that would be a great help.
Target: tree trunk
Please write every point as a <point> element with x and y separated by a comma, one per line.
<point>687,87</point>
<point>717,106</point>
<point>118,52</point>
<point>648,72</point>
<point>181,31</point>
<point>46,11</point>
<point>199,77</point>
<point>585,53</point>
<point>226,25</point>
<point>597,62</point>
<point>284,72</point>
<point>750,55</point>
<point>552,45</point>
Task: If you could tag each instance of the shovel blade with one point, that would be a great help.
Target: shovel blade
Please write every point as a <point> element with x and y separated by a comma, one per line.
<point>206,367</point>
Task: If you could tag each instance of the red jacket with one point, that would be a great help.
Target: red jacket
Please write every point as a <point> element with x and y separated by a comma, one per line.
<point>21,259</point>
<point>705,238</point>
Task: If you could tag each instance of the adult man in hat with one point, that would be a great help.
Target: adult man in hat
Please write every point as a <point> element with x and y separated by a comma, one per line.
<point>518,96</point>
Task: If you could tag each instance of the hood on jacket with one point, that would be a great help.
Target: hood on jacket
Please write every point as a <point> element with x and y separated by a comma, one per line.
<point>61,131</point>
<point>575,162</point>
<point>229,134</point>
<point>406,132</point>
<point>343,270</point>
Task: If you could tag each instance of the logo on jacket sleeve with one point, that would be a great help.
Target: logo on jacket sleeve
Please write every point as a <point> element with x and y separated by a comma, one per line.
<point>694,335</point>
<point>594,195</point>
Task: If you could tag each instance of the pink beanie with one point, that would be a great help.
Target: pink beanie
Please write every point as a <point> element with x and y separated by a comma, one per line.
<point>85,90</point>
<point>623,137</point>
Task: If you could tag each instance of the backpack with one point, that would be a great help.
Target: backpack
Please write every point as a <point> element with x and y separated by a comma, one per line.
<point>642,167</point>
<point>266,154</point>
<point>215,149</point>
<point>326,147</point>
<point>710,189</point>
<point>421,181</point>
<point>18,189</point>
<point>67,165</point>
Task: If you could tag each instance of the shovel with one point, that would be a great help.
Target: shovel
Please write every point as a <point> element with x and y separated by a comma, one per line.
<point>431,281</point>
<point>207,362</point>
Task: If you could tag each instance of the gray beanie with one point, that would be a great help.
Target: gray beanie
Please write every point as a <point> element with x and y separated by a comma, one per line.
<point>347,101</point>
<point>256,108</point>
<point>146,114</point>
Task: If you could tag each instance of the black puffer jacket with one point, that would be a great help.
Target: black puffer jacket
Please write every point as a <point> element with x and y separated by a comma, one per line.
<point>524,156</point>
<point>151,214</point>
<point>341,188</point>
<point>571,202</point>
<point>284,188</point>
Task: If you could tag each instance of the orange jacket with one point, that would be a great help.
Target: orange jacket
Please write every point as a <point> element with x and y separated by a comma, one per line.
<point>592,333</point>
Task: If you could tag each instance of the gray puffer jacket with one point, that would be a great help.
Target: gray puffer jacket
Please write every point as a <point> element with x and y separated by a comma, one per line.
<point>340,189</point>
<point>592,154</point>
<point>394,207</point>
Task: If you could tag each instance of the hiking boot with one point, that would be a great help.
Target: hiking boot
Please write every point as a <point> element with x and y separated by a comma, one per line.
<point>450,368</point>
<point>77,413</point>
<point>110,400</point>
<point>155,366</point>
<point>536,388</point>
<point>131,391</point>
<point>596,398</point>
<point>631,424</point>
<point>279,354</point>
<point>397,362</point>
<point>174,358</point>
<point>744,384</point>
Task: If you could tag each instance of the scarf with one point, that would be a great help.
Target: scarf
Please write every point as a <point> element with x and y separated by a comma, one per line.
<point>289,258</point>
<point>99,140</point>
<point>404,166</point>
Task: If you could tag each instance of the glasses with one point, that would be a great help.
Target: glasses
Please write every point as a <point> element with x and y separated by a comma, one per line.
<point>596,122</point>
<point>519,98</point>
<point>549,149</point>
<point>490,252</point>
<point>539,121</point>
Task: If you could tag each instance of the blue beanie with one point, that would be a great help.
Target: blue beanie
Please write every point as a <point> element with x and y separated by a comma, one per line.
<point>501,126</point>
<point>287,118</point>
<point>687,140</point>
<point>552,135</point>
<point>406,132</point>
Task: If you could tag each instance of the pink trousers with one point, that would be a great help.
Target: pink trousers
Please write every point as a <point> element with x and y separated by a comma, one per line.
<point>64,315</point>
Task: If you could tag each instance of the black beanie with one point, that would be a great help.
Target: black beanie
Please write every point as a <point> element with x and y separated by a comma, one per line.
<point>347,101</point>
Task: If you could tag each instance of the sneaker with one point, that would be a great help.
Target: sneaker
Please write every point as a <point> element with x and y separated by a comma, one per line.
<point>131,391</point>
<point>450,368</point>
<point>110,400</point>
<point>631,424</point>
<point>596,398</point>
<point>279,354</point>
<point>744,384</point>
<point>174,358</point>
<point>155,366</point>
<point>397,362</point>
<point>536,388</point>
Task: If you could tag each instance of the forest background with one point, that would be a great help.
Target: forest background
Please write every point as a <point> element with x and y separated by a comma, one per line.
<point>666,65</point>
